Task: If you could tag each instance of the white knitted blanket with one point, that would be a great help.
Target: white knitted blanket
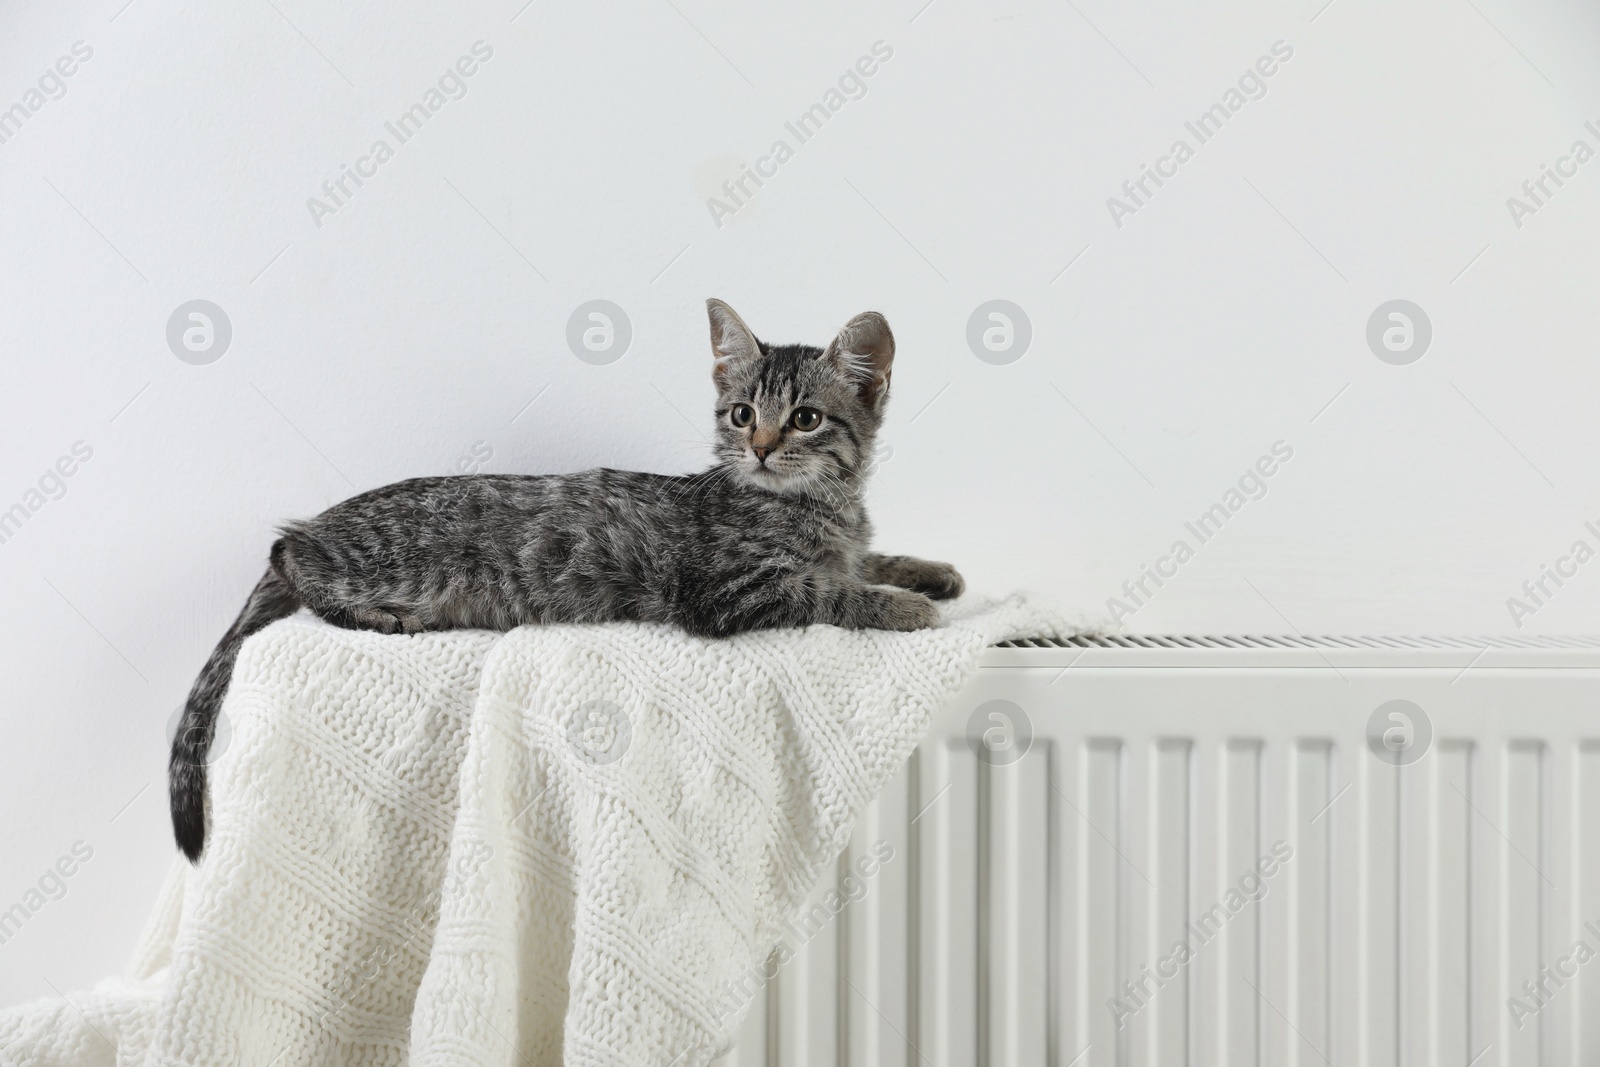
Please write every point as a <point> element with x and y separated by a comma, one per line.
<point>556,845</point>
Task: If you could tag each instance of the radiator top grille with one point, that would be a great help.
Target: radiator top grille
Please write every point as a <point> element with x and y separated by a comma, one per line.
<point>1267,641</point>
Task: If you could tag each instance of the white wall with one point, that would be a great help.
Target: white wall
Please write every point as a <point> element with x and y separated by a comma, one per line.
<point>412,326</point>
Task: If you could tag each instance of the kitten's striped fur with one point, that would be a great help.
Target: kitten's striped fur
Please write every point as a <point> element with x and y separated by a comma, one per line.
<point>773,534</point>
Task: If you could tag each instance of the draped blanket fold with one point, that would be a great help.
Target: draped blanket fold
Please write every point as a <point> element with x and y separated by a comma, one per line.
<point>558,845</point>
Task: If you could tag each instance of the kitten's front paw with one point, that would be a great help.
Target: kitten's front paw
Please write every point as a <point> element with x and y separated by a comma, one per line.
<point>904,610</point>
<point>928,578</point>
<point>937,580</point>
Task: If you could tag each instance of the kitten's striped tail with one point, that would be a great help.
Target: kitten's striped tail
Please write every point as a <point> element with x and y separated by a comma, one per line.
<point>270,601</point>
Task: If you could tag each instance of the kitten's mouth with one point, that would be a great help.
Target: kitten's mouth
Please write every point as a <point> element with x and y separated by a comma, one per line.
<point>769,477</point>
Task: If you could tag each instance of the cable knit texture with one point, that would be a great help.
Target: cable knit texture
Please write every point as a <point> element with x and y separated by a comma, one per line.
<point>551,846</point>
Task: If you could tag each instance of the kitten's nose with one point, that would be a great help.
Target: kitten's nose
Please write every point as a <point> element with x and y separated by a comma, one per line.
<point>761,451</point>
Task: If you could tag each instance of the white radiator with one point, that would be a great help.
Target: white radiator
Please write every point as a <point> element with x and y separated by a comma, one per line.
<point>1335,907</point>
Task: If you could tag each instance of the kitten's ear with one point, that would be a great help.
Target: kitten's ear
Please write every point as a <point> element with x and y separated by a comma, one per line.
<point>864,349</point>
<point>731,339</point>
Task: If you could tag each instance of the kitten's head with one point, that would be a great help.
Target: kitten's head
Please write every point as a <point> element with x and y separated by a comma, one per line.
<point>795,419</point>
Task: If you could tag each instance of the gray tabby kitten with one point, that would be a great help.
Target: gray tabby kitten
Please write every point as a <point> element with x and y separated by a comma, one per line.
<point>774,534</point>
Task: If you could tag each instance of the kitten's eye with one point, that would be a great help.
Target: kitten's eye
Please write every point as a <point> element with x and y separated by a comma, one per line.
<point>806,419</point>
<point>742,415</point>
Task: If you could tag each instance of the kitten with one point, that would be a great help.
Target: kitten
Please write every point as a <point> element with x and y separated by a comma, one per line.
<point>774,534</point>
